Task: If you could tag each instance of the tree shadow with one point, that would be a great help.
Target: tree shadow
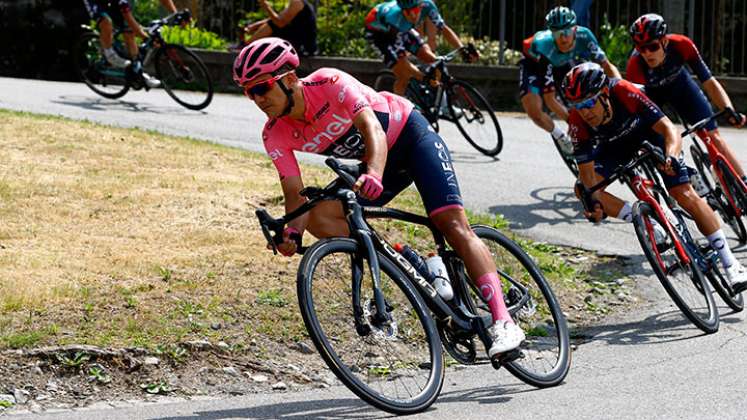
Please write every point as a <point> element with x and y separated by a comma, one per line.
<point>104,104</point>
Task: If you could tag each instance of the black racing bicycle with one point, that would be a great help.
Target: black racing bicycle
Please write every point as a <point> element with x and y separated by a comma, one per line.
<point>440,96</point>
<point>379,324</point>
<point>182,73</point>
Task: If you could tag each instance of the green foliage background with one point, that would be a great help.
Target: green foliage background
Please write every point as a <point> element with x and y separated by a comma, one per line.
<point>616,43</point>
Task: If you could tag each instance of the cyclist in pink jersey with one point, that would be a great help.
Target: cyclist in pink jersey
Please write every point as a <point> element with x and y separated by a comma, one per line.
<point>330,112</point>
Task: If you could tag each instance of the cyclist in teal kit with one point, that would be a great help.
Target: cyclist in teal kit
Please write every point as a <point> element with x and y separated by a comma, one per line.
<point>548,56</point>
<point>390,27</point>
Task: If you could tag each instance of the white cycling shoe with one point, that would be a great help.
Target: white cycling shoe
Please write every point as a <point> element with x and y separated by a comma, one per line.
<point>115,60</point>
<point>151,81</point>
<point>506,336</point>
<point>737,276</point>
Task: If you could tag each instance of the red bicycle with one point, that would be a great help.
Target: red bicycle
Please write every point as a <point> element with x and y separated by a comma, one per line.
<point>681,263</point>
<point>727,193</point>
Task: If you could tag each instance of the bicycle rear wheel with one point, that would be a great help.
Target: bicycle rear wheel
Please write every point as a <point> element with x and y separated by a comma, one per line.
<point>94,70</point>
<point>184,76</point>
<point>684,283</point>
<point>475,118</point>
<point>724,290</point>
<point>396,366</point>
<point>546,353</point>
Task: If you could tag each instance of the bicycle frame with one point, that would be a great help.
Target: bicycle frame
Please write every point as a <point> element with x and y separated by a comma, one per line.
<point>642,188</point>
<point>717,159</point>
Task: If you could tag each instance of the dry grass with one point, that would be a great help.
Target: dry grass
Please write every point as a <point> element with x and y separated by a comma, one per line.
<point>122,237</point>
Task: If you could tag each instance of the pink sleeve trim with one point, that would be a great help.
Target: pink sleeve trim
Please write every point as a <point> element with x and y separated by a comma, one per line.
<point>444,208</point>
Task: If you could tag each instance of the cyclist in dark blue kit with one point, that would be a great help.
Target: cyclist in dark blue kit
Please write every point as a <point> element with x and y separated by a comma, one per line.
<point>658,63</point>
<point>608,121</point>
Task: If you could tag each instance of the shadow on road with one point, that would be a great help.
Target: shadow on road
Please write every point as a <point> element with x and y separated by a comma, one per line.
<point>472,157</point>
<point>553,206</point>
<point>347,408</point>
<point>103,104</point>
<point>660,328</point>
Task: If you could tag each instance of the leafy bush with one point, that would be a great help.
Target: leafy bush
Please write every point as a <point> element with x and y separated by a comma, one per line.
<point>192,36</point>
<point>616,43</point>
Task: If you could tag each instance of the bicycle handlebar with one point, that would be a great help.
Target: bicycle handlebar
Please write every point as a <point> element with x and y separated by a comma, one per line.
<point>702,123</point>
<point>649,151</point>
<point>175,18</point>
<point>272,228</point>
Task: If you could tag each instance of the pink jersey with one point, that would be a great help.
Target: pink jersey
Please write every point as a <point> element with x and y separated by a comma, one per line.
<point>333,99</point>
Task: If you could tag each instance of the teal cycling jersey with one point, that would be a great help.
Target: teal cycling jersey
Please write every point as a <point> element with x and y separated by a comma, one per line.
<point>386,17</point>
<point>586,48</point>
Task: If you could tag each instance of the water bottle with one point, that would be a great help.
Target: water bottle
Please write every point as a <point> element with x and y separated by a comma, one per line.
<point>698,184</point>
<point>417,261</point>
<point>441,281</point>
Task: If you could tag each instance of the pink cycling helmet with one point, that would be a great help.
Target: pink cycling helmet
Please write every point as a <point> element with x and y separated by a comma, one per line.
<point>267,55</point>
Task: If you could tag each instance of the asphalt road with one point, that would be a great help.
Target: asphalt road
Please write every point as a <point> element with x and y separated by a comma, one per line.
<point>649,363</point>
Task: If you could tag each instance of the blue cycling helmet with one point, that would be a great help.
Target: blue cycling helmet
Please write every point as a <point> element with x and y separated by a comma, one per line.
<point>560,18</point>
<point>408,4</point>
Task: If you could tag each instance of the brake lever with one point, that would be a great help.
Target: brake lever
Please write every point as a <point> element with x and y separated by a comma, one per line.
<point>264,221</point>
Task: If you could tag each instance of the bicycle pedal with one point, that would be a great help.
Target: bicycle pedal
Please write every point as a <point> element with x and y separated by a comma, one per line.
<point>501,359</point>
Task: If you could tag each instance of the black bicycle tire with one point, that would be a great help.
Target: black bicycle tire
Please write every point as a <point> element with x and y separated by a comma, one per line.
<point>739,195</point>
<point>735,302</point>
<point>569,161</point>
<point>311,258</point>
<point>380,84</point>
<point>200,64</point>
<point>76,55</point>
<point>488,110</point>
<point>709,325</point>
<point>564,359</point>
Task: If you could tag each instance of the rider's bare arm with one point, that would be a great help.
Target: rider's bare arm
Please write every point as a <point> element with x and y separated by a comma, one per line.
<point>375,140</point>
<point>610,69</point>
<point>717,94</point>
<point>451,37</point>
<point>286,15</point>
<point>672,139</point>
<point>169,5</point>
<point>134,25</point>
<point>292,186</point>
<point>555,106</point>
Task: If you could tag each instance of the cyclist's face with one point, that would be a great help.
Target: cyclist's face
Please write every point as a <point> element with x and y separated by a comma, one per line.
<point>594,116</point>
<point>412,14</point>
<point>653,53</point>
<point>272,102</point>
<point>565,38</point>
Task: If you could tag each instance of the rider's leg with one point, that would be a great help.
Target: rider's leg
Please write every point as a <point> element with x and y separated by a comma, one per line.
<point>327,220</point>
<point>106,32</point>
<point>724,148</point>
<point>706,219</point>
<point>130,43</point>
<point>263,31</point>
<point>403,71</point>
<point>480,266</point>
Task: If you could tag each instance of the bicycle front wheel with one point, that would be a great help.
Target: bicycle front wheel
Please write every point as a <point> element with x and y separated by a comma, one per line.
<point>475,118</point>
<point>384,81</point>
<point>684,283</point>
<point>184,76</point>
<point>569,160</point>
<point>94,70</point>
<point>396,365</point>
<point>546,353</point>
